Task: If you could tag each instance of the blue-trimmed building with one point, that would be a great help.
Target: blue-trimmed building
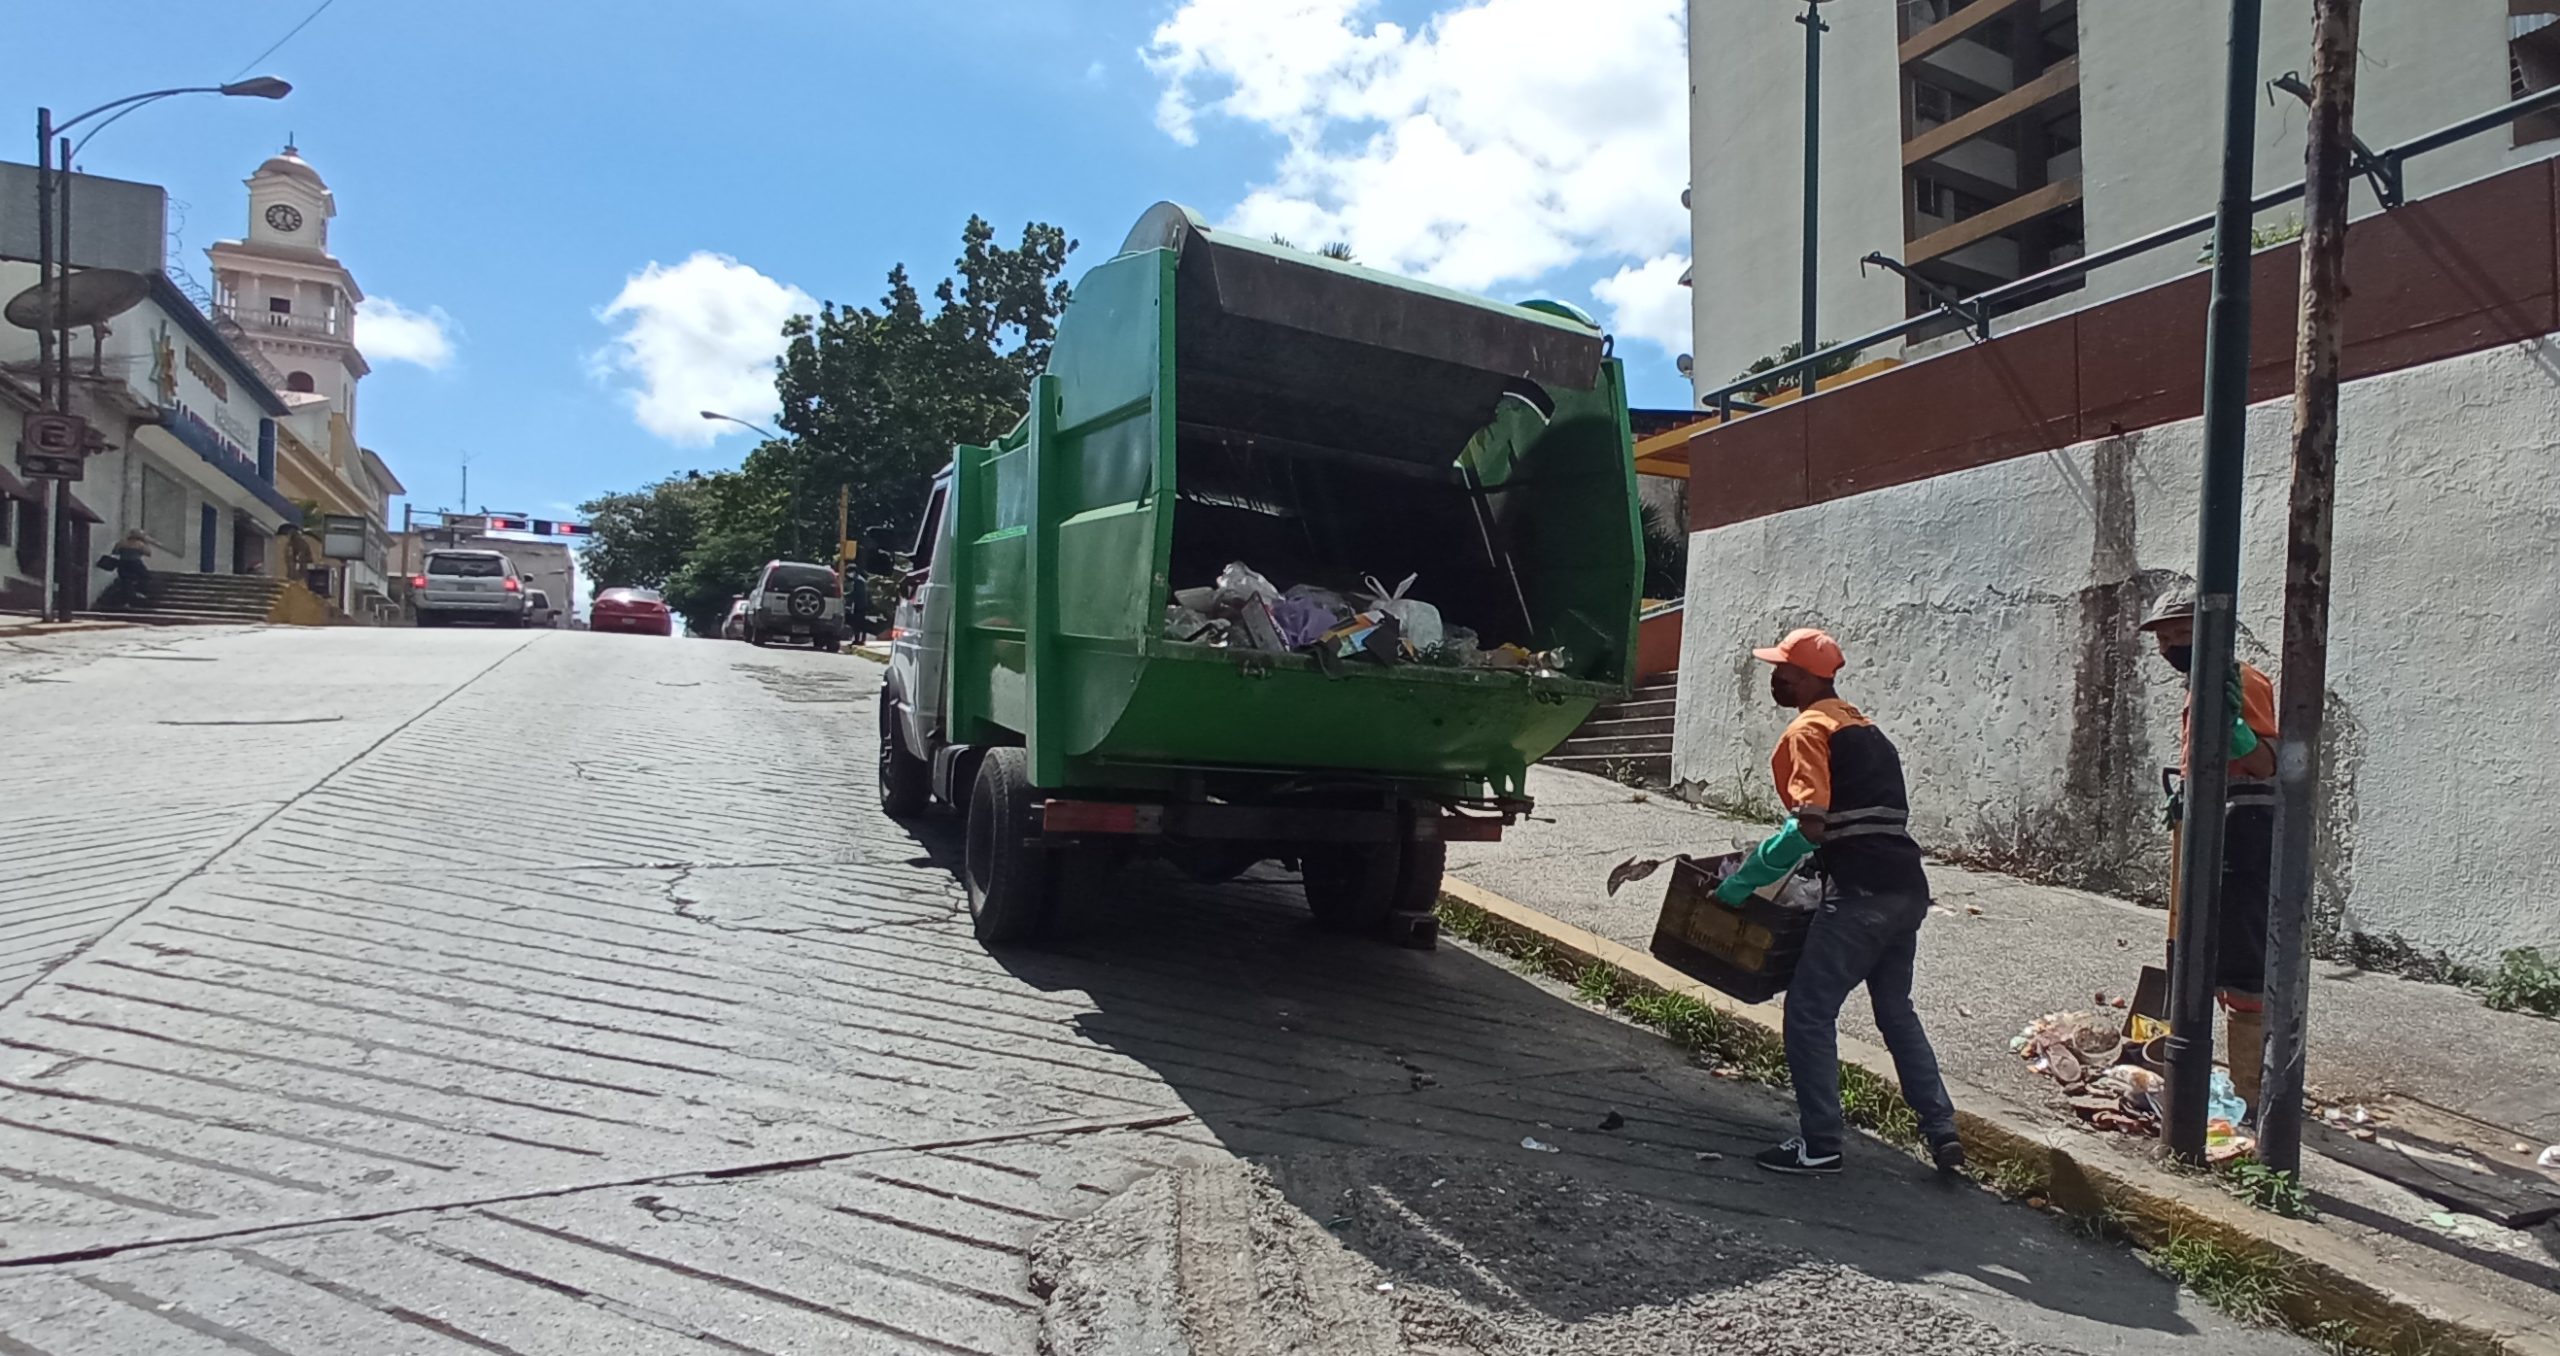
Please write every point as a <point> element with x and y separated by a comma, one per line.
<point>184,432</point>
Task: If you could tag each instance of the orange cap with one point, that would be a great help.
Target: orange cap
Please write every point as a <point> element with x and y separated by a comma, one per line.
<point>1809,649</point>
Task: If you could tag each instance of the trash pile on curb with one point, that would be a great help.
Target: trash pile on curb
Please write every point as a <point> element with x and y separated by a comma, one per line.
<point>2113,1084</point>
<point>1376,625</point>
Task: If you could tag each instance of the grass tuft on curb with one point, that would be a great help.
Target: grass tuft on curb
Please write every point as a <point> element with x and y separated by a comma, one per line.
<point>2247,1287</point>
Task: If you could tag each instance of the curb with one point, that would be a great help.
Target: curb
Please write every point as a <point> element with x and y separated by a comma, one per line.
<point>2331,1281</point>
<point>38,629</point>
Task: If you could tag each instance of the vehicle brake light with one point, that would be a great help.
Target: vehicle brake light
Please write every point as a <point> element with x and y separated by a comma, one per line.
<point>897,633</point>
<point>1470,829</point>
<point>417,581</point>
<point>514,587</point>
<point>1089,816</point>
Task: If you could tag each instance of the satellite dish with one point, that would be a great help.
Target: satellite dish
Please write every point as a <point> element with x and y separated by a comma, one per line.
<point>97,294</point>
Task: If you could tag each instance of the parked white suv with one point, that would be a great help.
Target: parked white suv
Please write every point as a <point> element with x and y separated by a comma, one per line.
<point>793,600</point>
<point>467,585</point>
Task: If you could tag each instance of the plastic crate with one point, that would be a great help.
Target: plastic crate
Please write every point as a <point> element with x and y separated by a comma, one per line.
<point>1749,952</point>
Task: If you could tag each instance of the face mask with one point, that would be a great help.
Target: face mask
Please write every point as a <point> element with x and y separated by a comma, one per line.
<point>2179,656</point>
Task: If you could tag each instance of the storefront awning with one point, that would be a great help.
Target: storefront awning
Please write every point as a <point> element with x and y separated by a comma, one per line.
<point>77,511</point>
<point>13,488</point>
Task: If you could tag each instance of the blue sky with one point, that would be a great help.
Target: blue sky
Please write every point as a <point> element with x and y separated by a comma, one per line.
<point>508,174</point>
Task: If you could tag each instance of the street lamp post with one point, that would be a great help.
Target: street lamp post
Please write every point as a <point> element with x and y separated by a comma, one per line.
<point>718,417</point>
<point>53,340</point>
<point>1814,28</point>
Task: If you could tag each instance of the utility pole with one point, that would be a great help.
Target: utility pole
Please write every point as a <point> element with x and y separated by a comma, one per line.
<point>1814,28</point>
<point>2226,455</point>
<point>63,568</point>
<point>2329,172</point>
<point>44,342</point>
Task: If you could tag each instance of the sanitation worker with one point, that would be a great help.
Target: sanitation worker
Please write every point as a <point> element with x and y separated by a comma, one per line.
<point>1841,782</point>
<point>2248,846</point>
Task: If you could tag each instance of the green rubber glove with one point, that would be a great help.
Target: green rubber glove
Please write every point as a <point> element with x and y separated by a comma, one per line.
<point>1771,861</point>
<point>2244,741</point>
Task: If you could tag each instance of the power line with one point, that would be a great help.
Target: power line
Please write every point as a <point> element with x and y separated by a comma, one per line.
<point>280,42</point>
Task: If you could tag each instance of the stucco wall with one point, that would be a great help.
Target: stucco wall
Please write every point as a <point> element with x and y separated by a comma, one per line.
<point>1746,152</point>
<point>1987,616</point>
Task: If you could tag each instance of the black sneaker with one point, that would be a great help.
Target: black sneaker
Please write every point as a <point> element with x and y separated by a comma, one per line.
<point>1948,1154</point>
<point>1796,1160</point>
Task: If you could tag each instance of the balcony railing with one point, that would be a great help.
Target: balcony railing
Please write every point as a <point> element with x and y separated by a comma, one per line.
<point>260,321</point>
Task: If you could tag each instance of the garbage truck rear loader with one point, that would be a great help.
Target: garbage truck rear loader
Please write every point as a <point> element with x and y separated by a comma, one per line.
<point>1078,669</point>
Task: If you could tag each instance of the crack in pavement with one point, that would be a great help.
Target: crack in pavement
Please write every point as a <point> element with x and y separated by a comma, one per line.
<point>678,1177</point>
<point>204,866</point>
<point>686,909</point>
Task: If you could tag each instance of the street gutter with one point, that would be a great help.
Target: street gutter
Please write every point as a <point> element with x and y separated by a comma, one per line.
<point>2332,1283</point>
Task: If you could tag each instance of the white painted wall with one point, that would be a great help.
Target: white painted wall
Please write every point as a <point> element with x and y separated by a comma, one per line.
<point>1746,151</point>
<point>1966,604</point>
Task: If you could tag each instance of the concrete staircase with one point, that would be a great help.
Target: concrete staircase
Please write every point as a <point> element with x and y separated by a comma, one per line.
<point>1628,741</point>
<point>202,600</point>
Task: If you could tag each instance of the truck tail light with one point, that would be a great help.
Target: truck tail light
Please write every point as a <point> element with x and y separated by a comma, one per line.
<point>1093,816</point>
<point>514,586</point>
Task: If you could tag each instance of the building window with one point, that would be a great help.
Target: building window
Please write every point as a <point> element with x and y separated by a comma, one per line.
<point>2533,63</point>
<point>30,538</point>
<point>299,381</point>
<point>279,305</point>
<point>164,511</point>
<point>2000,202</point>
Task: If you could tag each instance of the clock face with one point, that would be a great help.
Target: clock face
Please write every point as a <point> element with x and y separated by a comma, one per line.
<point>284,217</point>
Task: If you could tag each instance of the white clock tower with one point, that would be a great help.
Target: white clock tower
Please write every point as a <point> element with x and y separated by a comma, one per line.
<point>292,298</point>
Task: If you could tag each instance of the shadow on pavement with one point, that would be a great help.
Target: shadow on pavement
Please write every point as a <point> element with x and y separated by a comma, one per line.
<point>1294,1046</point>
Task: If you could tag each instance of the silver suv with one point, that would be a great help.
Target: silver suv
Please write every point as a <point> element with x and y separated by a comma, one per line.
<point>793,600</point>
<point>458,585</point>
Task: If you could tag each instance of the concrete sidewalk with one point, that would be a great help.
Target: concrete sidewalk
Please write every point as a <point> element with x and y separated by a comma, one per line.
<point>1999,952</point>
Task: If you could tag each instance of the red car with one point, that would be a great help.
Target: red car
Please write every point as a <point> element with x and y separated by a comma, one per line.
<point>636,610</point>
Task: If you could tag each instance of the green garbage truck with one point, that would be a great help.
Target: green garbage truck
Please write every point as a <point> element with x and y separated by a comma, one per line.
<point>1290,560</point>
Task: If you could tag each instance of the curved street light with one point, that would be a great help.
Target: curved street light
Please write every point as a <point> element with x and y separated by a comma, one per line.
<point>718,417</point>
<point>255,87</point>
<point>55,347</point>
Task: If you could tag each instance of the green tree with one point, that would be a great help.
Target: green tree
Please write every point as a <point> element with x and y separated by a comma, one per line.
<point>1340,249</point>
<point>642,536</point>
<point>1822,371</point>
<point>873,399</point>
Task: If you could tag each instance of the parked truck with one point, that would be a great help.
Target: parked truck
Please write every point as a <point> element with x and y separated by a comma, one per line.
<point>1217,400</point>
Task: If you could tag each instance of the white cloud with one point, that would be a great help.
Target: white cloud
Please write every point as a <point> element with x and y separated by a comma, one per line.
<point>698,335</point>
<point>392,333</point>
<point>1096,73</point>
<point>1646,301</point>
<point>1497,142</point>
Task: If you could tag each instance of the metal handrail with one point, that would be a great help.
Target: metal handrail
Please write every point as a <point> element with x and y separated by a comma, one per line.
<point>1723,401</point>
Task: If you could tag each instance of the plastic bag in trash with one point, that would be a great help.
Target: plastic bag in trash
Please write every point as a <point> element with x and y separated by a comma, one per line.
<point>1302,621</point>
<point>1183,623</point>
<point>1419,621</point>
<point>1238,583</point>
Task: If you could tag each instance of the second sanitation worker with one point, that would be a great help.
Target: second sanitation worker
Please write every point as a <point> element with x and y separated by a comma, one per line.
<point>1841,782</point>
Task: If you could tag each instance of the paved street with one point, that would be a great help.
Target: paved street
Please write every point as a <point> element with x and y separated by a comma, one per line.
<point>391,991</point>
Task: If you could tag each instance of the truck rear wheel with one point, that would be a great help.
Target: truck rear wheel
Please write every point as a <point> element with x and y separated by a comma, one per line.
<point>1008,878</point>
<point>1351,887</point>
<point>1377,889</point>
<point>906,781</point>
